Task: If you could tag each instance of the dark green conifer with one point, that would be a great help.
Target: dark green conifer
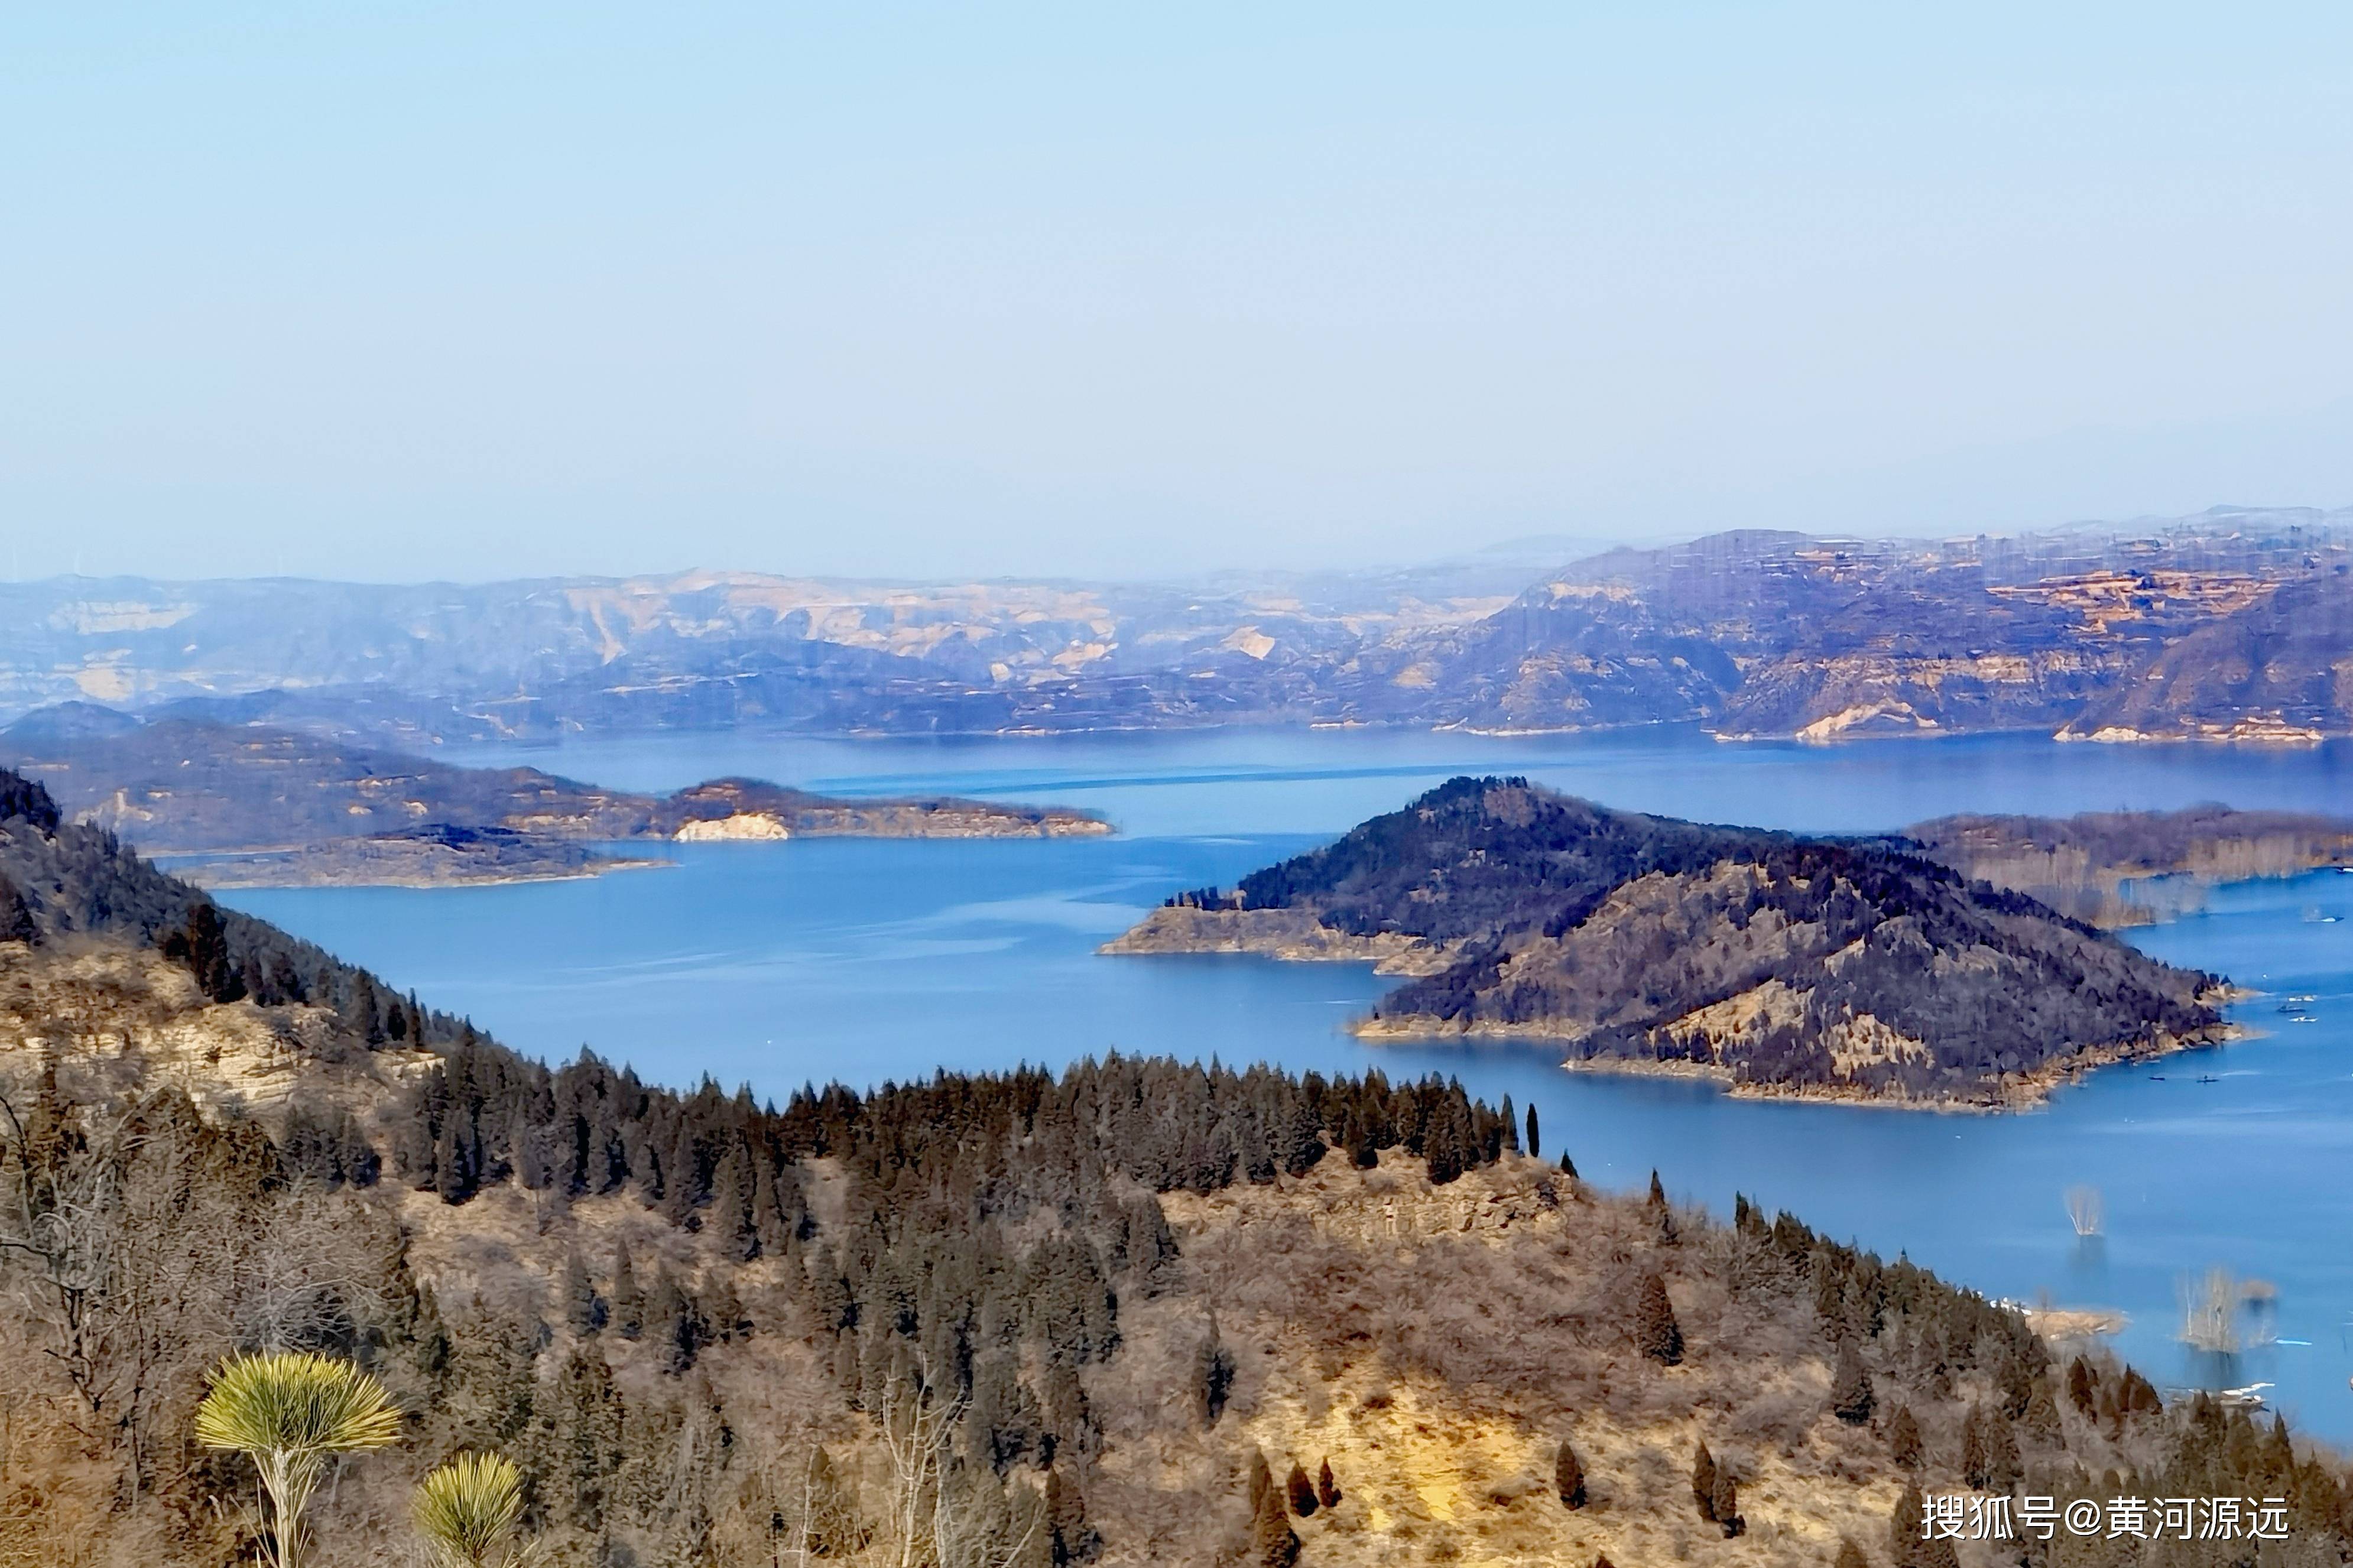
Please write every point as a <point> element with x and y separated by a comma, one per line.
<point>583,1310</point>
<point>2081,1389</point>
<point>1656,1334</point>
<point>1301,1490</point>
<point>1903,1439</point>
<point>628,1314</point>
<point>1725,1507</point>
<point>1327,1491</point>
<point>1904,1528</point>
<point>1213,1376</point>
<point>1851,1392</point>
<point>1535,1143</point>
<point>1704,1480</point>
<point>1273,1543</point>
<point>1569,1477</point>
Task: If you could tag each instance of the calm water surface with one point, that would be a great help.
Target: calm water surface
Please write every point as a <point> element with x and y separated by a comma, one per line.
<point>780,964</point>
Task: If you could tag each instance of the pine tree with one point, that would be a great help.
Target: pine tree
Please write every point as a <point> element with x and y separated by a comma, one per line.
<point>1656,1332</point>
<point>723,1307</point>
<point>1213,1376</point>
<point>2081,1391</point>
<point>1261,1480</point>
<point>1725,1504</point>
<point>2042,1421</point>
<point>1327,1491</point>
<point>1568,1165</point>
<point>1511,1125</point>
<point>1973,1448</point>
<point>1704,1480</point>
<point>2002,1467</point>
<point>1536,1145</point>
<point>583,1310</point>
<point>583,1445</point>
<point>1301,1489</point>
<point>1904,1439</point>
<point>1851,1393</point>
<point>1071,1538</point>
<point>734,1221</point>
<point>1904,1541</point>
<point>628,1313</point>
<point>1658,1198</point>
<point>1273,1543</point>
<point>1569,1478</point>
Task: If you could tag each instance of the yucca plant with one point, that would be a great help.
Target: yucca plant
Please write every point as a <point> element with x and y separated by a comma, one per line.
<point>291,1412</point>
<point>468,1510</point>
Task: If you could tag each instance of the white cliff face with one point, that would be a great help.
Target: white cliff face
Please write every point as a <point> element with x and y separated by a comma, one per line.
<point>742,825</point>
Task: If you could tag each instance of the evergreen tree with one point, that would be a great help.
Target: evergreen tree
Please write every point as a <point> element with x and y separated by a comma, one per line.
<point>1656,1334</point>
<point>16,923</point>
<point>583,1310</point>
<point>1511,1125</point>
<point>1851,1393</point>
<point>1536,1145</point>
<point>582,1442</point>
<point>1213,1376</point>
<point>1725,1507</point>
<point>1904,1541</point>
<point>2042,1421</point>
<point>1261,1482</point>
<point>2082,1385</point>
<point>1904,1439</point>
<point>1071,1538</point>
<point>1569,1477</point>
<point>1273,1543</point>
<point>1302,1490</point>
<point>1568,1165</point>
<point>1704,1480</point>
<point>722,1308</point>
<point>1327,1491</point>
<point>2002,1467</point>
<point>1658,1198</point>
<point>734,1221</point>
<point>628,1313</point>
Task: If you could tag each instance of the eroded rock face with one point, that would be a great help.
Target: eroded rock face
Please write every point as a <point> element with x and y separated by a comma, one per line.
<point>754,824</point>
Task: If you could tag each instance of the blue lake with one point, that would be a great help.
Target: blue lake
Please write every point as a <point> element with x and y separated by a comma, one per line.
<point>814,960</point>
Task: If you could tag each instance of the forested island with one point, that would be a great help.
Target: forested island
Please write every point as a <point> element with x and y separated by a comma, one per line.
<point>1141,1312</point>
<point>1782,964</point>
<point>253,805</point>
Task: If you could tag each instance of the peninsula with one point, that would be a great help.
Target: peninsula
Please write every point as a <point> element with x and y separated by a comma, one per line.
<point>1783,965</point>
<point>251,806</point>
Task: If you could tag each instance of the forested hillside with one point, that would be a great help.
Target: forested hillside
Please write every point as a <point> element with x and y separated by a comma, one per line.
<point>1785,965</point>
<point>1137,1312</point>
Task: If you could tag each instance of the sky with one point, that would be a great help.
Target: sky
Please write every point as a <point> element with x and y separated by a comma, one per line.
<point>411,290</point>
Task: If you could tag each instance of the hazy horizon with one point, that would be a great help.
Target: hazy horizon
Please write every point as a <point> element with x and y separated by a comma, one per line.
<point>394,293</point>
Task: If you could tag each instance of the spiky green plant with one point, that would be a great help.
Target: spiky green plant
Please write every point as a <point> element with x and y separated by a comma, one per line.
<point>291,1411</point>
<point>467,1510</point>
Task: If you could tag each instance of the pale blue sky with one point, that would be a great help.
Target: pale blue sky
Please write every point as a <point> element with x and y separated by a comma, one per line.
<point>467,290</point>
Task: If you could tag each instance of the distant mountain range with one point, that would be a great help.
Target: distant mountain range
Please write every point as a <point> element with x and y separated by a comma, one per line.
<point>1786,965</point>
<point>2234,623</point>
